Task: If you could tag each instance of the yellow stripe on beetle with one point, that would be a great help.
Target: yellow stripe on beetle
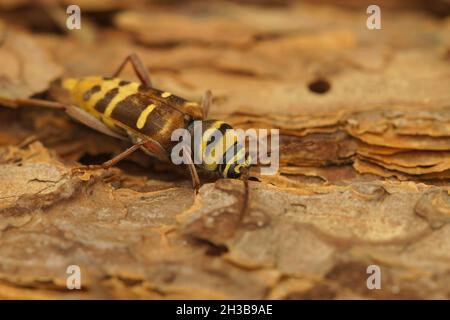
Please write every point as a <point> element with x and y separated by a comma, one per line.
<point>239,155</point>
<point>124,92</point>
<point>219,149</point>
<point>210,160</point>
<point>140,123</point>
<point>87,83</point>
<point>69,83</point>
<point>208,133</point>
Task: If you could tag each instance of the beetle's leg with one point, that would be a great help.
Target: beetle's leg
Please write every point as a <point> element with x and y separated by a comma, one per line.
<point>37,103</point>
<point>141,72</point>
<point>110,163</point>
<point>206,103</point>
<point>245,204</point>
<point>194,175</point>
<point>27,141</point>
<point>156,150</point>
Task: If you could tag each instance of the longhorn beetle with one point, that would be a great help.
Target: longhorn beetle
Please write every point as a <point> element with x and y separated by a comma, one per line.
<point>146,117</point>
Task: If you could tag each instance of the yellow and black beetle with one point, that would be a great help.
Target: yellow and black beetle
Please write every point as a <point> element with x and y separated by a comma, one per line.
<point>147,117</point>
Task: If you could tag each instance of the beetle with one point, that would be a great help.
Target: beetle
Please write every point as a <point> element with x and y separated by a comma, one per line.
<point>147,116</point>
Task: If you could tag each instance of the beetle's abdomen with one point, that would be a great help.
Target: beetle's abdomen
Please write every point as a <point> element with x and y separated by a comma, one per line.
<point>100,96</point>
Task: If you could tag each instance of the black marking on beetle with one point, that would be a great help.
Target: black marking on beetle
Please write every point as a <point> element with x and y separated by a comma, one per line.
<point>129,109</point>
<point>102,104</point>
<point>228,156</point>
<point>224,127</point>
<point>88,94</point>
<point>124,83</point>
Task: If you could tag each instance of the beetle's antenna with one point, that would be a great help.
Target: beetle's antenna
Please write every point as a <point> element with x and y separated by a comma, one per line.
<point>245,175</point>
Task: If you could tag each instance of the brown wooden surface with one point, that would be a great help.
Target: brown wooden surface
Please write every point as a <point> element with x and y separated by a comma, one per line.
<point>364,172</point>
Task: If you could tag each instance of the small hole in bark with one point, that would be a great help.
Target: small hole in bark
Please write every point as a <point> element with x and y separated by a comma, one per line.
<point>216,250</point>
<point>88,159</point>
<point>319,86</point>
<point>211,248</point>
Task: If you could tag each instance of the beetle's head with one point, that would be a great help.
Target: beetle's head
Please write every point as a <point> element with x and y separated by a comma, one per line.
<point>220,148</point>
